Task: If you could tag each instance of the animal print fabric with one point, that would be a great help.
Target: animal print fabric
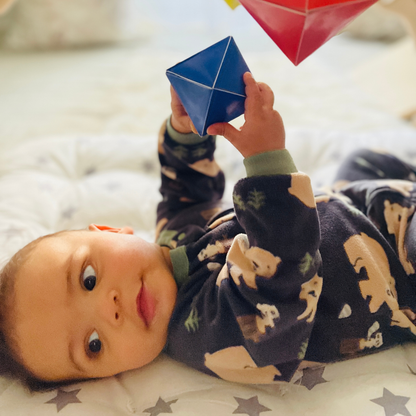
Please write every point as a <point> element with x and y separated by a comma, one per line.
<point>283,277</point>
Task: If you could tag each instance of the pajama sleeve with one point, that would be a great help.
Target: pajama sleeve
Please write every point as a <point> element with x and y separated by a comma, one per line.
<point>256,312</point>
<point>190,175</point>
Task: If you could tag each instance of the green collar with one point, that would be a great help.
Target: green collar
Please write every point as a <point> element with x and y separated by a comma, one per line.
<point>180,265</point>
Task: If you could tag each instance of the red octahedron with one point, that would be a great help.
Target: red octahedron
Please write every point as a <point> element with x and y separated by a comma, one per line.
<point>300,27</point>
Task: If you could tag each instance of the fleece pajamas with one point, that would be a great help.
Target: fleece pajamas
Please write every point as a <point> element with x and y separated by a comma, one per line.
<point>283,276</point>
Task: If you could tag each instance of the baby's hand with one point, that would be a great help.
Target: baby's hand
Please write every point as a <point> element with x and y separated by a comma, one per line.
<point>263,130</point>
<point>180,120</point>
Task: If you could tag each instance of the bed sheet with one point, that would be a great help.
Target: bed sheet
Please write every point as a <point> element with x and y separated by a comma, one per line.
<point>78,138</point>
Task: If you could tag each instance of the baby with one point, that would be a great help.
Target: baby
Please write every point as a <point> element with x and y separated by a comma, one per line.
<point>247,292</point>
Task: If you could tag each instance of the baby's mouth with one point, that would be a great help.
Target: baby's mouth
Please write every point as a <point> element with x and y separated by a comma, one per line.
<point>145,306</point>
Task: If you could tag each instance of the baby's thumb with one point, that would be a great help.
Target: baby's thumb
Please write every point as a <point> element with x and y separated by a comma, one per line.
<point>222,129</point>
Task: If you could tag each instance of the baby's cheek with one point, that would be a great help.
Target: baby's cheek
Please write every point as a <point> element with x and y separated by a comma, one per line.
<point>136,348</point>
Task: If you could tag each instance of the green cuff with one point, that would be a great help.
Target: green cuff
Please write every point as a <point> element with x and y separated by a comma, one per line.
<point>275,162</point>
<point>180,265</point>
<point>188,138</point>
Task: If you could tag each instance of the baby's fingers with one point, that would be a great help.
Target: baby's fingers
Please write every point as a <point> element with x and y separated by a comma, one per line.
<point>176,103</point>
<point>224,129</point>
<point>252,88</point>
<point>174,96</point>
<point>267,94</point>
<point>259,96</point>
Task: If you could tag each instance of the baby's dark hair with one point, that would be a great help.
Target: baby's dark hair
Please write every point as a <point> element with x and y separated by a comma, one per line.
<point>10,365</point>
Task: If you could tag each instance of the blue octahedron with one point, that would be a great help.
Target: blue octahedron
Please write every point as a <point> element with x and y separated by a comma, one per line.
<point>210,84</point>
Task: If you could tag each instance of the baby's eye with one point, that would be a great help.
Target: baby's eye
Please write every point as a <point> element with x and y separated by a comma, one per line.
<point>89,278</point>
<point>94,343</point>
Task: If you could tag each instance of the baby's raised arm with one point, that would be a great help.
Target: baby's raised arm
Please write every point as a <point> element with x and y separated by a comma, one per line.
<point>180,120</point>
<point>263,130</point>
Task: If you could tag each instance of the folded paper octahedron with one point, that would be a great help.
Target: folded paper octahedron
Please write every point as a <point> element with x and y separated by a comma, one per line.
<point>233,3</point>
<point>210,84</point>
<point>300,27</point>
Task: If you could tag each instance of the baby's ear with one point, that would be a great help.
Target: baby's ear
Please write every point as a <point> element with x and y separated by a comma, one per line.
<point>124,230</point>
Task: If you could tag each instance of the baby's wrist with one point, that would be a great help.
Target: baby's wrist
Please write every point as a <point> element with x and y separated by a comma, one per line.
<point>178,127</point>
<point>183,138</point>
<point>275,162</point>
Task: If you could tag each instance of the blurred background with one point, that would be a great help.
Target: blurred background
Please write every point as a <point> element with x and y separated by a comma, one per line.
<point>98,66</point>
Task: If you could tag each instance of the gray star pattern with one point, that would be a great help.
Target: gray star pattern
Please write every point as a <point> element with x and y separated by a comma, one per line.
<point>160,407</point>
<point>68,213</point>
<point>90,170</point>
<point>250,406</point>
<point>63,398</point>
<point>393,404</point>
<point>148,166</point>
<point>312,377</point>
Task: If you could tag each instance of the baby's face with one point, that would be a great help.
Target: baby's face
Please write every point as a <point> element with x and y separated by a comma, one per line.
<point>92,304</point>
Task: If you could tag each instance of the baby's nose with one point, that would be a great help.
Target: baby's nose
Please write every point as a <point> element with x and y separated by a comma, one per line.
<point>111,308</point>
